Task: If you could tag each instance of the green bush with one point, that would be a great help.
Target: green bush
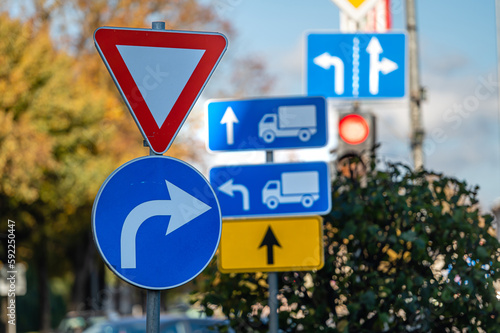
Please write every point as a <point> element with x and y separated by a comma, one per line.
<point>405,251</point>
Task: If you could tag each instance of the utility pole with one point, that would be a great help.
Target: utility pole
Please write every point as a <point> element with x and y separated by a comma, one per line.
<point>417,130</point>
<point>496,206</point>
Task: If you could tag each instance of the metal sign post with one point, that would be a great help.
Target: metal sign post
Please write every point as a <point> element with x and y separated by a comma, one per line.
<point>272,280</point>
<point>153,296</point>
<point>153,311</point>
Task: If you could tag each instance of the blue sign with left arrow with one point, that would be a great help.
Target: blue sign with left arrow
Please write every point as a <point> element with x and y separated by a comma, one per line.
<point>359,65</point>
<point>273,189</point>
<point>267,124</point>
<point>156,222</point>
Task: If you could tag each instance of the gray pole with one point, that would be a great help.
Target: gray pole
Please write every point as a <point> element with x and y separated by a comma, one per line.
<point>417,131</point>
<point>497,17</point>
<point>496,206</point>
<point>272,280</point>
<point>153,311</point>
<point>153,296</point>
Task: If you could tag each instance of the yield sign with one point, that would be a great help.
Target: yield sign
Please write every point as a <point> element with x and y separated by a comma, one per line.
<point>355,9</point>
<point>160,74</point>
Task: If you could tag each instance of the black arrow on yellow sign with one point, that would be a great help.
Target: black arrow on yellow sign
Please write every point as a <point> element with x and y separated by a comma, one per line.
<point>270,241</point>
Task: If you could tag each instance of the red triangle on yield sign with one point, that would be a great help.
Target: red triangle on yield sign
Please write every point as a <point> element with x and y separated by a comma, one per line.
<point>160,74</point>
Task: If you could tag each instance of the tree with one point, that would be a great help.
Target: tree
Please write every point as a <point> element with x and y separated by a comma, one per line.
<point>405,252</point>
<point>52,149</point>
<point>64,127</point>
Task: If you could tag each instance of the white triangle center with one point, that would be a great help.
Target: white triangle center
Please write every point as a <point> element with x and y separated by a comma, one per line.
<point>161,74</point>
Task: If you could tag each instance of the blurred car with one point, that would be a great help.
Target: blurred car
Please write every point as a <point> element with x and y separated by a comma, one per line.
<point>77,321</point>
<point>168,324</point>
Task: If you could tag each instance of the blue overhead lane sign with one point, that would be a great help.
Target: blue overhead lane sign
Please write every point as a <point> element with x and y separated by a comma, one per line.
<point>281,189</point>
<point>357,65</point>
<point>156,222</point>
<point>268,123</point>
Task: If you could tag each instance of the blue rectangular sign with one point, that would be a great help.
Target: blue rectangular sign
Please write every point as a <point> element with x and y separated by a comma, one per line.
<point>267,124</point>
<point>281,189</point>
<point>356,65</point>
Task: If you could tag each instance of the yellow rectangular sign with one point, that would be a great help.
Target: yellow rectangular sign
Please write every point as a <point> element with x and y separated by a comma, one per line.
<point>271,245</point>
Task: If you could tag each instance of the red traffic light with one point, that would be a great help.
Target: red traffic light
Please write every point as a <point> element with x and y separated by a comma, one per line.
<point>353,129</point>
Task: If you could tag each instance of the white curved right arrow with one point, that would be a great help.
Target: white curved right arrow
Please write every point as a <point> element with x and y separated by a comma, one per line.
<point>182,208</point>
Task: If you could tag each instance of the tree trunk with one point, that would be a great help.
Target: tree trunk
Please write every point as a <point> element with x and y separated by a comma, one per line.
<point>43,284</point>
<point>84,262</point>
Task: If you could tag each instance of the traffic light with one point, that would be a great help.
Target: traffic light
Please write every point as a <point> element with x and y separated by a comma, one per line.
<point>356,134</point>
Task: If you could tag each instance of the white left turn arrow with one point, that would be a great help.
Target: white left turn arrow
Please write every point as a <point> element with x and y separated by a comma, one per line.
<point>182,208</point>
<point>229,118</point>
<point>377,66</point>
<point>229,188</point>
<point>326,61</point>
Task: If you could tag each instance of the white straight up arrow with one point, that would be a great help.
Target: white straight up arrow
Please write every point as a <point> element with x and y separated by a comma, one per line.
<point>384,66</point>
<point>229,119</point>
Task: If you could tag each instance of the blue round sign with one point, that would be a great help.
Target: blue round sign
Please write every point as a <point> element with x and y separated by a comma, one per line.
<point>156,222</point>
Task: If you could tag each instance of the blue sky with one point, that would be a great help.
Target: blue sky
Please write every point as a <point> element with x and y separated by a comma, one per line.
<point>457,40</point>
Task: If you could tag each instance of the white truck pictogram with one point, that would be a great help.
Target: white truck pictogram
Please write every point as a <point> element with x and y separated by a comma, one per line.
<point>294,187</point>
<point>290,121</point>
